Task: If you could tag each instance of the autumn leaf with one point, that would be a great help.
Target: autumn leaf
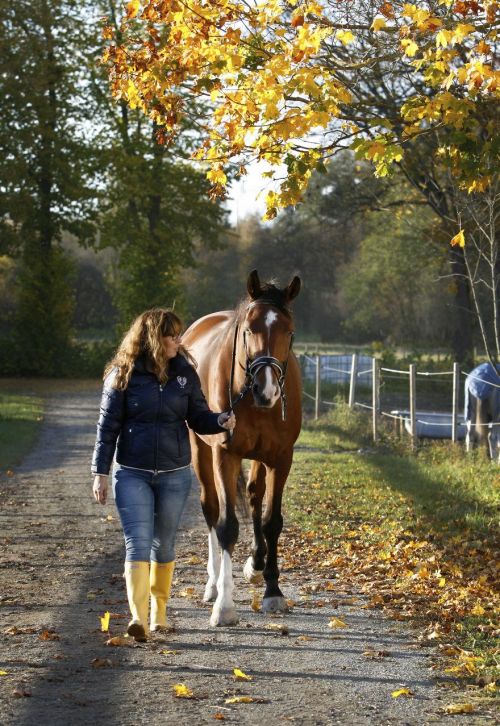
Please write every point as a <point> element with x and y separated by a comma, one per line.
<point>337,623</point>
<point>101,663</point>
<point>194,560</point>
<point>169,652</point>
<point>459,708</point>
<point>104,622</point>
<point>219,716</point>
<point>4,673</point>
<point>182,691</point>
<point>378,24</point>
<point>48,635</point>
<point>118,641</point>
<point>345,37</point>
<point>458,240</point>
<point>402,692</point>
<point>239,699</point>
<point>256,601</point>
<point>239,675</point>
<point>188,592</point>
<point>280,627</point>
<point>133,8</point>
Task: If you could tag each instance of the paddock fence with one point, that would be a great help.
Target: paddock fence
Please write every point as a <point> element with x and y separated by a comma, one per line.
<point>397,394</point>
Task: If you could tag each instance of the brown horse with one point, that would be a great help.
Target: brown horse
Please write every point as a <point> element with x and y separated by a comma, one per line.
<point>245,360</point>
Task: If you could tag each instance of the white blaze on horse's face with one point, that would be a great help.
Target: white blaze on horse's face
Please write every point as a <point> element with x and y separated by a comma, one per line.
<point>267,334</point>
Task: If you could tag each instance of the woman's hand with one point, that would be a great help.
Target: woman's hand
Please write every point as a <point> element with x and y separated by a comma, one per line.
<point>100,488</point>
<point>227,420</point>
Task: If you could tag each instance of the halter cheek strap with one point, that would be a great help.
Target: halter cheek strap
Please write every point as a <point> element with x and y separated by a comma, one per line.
<point>252,367</point>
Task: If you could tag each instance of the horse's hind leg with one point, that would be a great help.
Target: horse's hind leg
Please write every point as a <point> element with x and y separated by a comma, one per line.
<point>203,466</point>
<point>256,487</point>
<point>272,525</point>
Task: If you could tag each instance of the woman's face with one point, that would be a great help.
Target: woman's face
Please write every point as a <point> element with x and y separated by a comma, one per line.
<point>170,345</point>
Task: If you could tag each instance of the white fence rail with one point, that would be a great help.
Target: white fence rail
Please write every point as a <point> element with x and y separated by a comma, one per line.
<point>345,370</point>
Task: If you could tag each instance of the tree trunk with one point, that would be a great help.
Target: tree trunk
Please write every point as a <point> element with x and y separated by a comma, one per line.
<point>461,310</point>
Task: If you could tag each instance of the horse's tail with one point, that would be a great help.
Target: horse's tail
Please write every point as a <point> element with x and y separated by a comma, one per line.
<point>242,505</point>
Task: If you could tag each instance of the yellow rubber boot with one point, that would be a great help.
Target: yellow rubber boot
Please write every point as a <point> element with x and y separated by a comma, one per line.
<point>137,579</point>
<point>160,584</point>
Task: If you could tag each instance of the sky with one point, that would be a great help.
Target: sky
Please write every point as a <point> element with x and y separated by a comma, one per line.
<point>242,197</point>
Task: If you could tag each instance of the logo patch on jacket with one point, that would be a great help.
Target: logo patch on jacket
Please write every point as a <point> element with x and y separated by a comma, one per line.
<point>181,380</point>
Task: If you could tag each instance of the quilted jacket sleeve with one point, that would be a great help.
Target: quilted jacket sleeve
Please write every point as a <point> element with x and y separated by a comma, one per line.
<point>108,426</point>
<point>200,418</point>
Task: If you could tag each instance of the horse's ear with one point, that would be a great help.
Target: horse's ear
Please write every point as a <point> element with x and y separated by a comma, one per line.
<point>253,285</point>
<point>293,289</point>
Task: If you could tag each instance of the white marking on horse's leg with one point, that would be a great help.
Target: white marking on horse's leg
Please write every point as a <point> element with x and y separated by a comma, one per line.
<point>256,577</point>
<point>224,612</point>
<point>468,441</point>
<point>213,567</point>
<point>275,604</point>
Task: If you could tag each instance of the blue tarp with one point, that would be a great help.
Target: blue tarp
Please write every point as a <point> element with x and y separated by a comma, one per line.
<point>478,383</point>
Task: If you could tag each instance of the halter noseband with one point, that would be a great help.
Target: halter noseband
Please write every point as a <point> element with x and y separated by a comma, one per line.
<point>252,367</point>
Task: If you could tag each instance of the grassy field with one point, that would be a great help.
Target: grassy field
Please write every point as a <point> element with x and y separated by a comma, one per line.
<point>21,414</point>
<point>416,533</point>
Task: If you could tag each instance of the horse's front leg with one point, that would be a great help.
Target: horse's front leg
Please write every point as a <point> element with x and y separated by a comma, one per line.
<point>272,525</point>
<point>226,470</point>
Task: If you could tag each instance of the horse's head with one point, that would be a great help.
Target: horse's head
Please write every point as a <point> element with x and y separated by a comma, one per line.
<point>268,332</point>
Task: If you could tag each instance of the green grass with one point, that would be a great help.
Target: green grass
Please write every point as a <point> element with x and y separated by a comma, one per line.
<point>21,413</point>
<point>436,508</point>
<point>20,418</point>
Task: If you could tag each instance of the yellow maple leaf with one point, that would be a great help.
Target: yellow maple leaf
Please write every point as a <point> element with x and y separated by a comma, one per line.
<point>4,673</point>
<point>478,610</point>
<point>239,675</point>
<point>182,691</point>
<point>133,8</point>
<point>459,708</point>
<point>256,601</point>
<point>337,623</point>
<point>409,46</point>
<point>345,37</point>
<point>239,699</point>
<point>458,240</point>
<point>105,622</point>
<point>402,692</point>
<point>378,24</point>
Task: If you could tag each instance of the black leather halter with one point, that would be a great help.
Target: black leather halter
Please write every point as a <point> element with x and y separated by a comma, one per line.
<point>252,367</point>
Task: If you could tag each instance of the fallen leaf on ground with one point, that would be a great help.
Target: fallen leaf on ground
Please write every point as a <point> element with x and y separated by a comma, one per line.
<point>169,652</point>
<point>219,716</point>
<point>48,635</point>
<point>239,699</point>
<point>337,623</point>
<point>304,637</point>
<point>194,560</point>
<point>4,673</point>
<point>20,692</point>
<point>256,601</point>
<point>459,708</point>
<point>239,675</point>
<point>187,592</point>
<point>376,654</point>
<point>402,692</point>
<point>104,622</point>
<point>119,640</point>
<point>101,663</point>
<point>281,627</point>
<point>182,691</point>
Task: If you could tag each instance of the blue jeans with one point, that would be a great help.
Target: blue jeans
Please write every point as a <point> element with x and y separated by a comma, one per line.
<point>150,507</point>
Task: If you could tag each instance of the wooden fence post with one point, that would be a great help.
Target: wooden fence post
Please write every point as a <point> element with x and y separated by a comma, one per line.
<point>317,401</point>
<point>456,392</point>
<point>375,397</point>
<point>413,405</point>
<point>354,378</point>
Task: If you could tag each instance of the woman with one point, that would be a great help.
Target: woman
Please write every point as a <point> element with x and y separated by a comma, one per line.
<point>151,390</point>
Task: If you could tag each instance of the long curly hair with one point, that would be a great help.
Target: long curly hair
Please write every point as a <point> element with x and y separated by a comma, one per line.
<point>144,338</point>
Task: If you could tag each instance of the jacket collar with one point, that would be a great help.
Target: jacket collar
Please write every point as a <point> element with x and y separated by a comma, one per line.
<point>176,366</point>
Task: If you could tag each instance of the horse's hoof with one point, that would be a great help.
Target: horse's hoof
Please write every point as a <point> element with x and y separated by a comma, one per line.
<point>210,594</point>
<point>223,616</point>
<point>255,577</point>
<point>274,605</point>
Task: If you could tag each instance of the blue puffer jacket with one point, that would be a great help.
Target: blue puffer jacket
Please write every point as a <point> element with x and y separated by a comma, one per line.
<point>149,419</point>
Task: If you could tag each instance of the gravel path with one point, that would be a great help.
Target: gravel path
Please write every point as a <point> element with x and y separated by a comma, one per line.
<point>60,568</point>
